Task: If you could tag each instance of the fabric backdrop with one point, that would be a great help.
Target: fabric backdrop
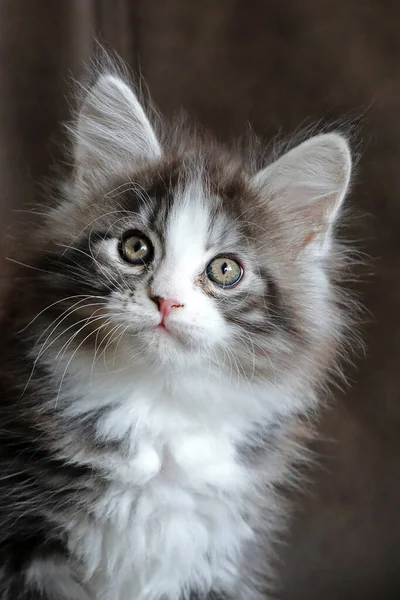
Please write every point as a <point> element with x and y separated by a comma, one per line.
<point>276,64</point>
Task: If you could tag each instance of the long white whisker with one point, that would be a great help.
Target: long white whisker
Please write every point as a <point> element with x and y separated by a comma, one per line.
<point>44,348</point>
<point>48,307</point>
<point>66,313</point>
<point>89,321</point>
<point>69,362</point>
<point>97,347</point>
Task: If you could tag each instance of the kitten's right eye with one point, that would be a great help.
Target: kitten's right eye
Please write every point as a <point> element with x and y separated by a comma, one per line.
<point>136,249</point>
<point>224,271</point>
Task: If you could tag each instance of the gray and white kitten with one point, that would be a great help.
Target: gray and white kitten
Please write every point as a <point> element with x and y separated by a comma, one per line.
<point>177,323</point>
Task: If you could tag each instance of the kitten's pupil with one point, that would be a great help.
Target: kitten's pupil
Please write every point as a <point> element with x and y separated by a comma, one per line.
<point>225,268</point>
<point>139,246</point>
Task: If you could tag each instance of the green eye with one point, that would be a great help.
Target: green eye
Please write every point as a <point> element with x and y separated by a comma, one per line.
<point>136,249</point>
<point>224,271</point>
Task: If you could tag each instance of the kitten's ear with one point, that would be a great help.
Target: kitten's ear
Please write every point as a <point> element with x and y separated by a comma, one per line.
<point>308,185</point>
<point>112,130</point>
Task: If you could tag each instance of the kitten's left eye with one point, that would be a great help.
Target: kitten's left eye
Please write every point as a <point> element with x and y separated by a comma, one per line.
<point>136,248</point>
<point>224,271</point>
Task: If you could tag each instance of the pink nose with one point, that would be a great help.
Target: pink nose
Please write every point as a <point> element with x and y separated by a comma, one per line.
<point>165,306</point>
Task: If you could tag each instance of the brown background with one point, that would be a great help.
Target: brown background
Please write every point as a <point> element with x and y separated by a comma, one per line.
<point>274,63</point>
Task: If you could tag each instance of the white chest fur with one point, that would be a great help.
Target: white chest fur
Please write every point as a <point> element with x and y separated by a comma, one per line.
<point>174,515</point>
<point>170,520</point>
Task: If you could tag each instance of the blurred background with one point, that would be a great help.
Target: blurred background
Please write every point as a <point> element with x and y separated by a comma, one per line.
<point>276,64</point>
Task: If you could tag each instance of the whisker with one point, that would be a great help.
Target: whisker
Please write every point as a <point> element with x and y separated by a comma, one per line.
<point>102,216</point>
<point>67,313</point>
<point>68,363</point>
<point>96,347</point>
<point>87,321</point>
<point>47,308</point>
<point>44,348</point>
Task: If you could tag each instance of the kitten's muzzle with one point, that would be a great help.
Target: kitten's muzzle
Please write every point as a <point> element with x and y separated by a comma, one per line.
<point>166,306</point>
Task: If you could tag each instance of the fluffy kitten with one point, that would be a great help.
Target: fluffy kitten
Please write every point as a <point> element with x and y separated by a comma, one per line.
<point>176,324</point>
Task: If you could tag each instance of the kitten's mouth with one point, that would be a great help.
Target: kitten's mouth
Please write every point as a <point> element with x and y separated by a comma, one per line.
<point>171,332</point>
<point>164,328</point>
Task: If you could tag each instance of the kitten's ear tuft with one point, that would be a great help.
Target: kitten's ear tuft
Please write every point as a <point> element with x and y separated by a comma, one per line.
<point>112,130</point>
<point>308,185</point>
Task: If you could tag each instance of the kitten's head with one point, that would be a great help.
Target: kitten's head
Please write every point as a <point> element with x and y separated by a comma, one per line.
<point>173,253</point>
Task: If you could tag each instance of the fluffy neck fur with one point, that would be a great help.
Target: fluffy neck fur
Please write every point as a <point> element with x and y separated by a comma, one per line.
<point>158,451</point>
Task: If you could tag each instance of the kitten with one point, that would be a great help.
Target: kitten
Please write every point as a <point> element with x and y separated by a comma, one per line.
<point>177,322</point>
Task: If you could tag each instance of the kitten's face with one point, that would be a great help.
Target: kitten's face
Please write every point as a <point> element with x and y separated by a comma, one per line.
<point>184,272</point>
<point>181,269</point>
<point>180,256</point>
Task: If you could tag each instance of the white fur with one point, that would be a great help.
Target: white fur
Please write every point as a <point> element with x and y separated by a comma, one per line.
<point>176,512</point>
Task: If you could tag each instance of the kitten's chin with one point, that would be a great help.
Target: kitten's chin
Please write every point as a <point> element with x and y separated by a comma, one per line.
<point>171,345</point>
